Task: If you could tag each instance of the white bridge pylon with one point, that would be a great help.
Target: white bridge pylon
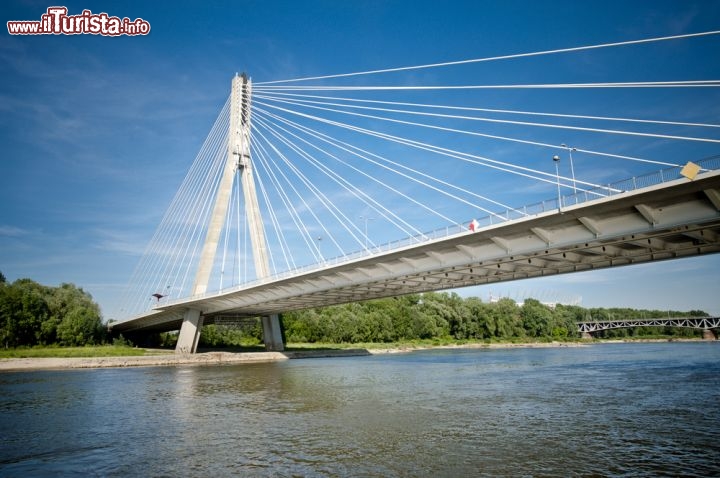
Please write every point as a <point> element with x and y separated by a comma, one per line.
<point>238,159</point>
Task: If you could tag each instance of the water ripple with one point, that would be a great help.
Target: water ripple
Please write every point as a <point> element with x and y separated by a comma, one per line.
<point>626,410</point>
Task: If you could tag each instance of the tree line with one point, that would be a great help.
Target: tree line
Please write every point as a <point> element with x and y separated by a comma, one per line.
<point>34,314</point>
<point>443,316</point>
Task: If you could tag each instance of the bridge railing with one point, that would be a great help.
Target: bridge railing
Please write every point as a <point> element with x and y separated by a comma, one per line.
<point>631,184</point>
<point>636,182</point>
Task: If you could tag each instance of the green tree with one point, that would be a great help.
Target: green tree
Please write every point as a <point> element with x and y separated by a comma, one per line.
<point>210,337</point>
<point>377,327</point>
<point>566,318</point>
<point>508,322</point>
<point>537,319</point>
<point>32,314</point>
<point>341,323</point>
<point>80,326</point>
<point>485,318</point>
<point>75,316</point>
<point>476,318</point>
<point>304,326</point>
<point>23,309</point>
<point>444,313</point>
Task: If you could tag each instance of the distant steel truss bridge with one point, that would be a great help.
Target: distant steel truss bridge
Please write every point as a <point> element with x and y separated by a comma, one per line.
<point>704,323</point>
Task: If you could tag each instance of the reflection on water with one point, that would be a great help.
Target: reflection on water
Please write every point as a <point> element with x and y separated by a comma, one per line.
<point>601,410</point>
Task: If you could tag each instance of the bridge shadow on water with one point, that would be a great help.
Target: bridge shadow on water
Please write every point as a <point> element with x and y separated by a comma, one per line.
<point>293,352</point>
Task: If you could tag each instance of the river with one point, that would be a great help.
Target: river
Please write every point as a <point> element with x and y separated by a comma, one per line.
<point>633,409</point>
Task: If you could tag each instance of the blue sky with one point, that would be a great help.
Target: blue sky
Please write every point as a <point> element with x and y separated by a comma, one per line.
<point>97,133</point>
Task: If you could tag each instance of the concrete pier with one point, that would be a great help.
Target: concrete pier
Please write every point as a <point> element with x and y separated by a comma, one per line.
<point>189,332</point>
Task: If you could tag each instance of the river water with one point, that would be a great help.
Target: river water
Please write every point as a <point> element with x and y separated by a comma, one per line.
<point>611,409</point>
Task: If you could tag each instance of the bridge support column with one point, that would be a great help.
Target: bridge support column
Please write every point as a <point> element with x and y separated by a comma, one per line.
<point>272,333</point>
<point>189,332</point>
<point>709,334</point>
<point>586,335</point>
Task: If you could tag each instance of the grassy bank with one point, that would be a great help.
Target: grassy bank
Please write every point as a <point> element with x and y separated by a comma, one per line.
<point>88,351</point>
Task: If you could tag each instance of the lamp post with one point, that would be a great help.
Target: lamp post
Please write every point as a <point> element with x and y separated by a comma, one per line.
<point>572,168</point>
<point>366,219</point>
<point>319,241</point>
<point>556,160</point>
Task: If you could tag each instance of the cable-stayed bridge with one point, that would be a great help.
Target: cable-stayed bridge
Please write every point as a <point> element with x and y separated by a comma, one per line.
<point>321,190</point>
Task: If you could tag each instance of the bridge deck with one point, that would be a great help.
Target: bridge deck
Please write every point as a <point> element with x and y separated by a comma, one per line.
<point>677,219</point>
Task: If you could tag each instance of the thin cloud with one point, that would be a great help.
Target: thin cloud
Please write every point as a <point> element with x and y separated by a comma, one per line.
<point>13,231</point>
<point>122,245</point>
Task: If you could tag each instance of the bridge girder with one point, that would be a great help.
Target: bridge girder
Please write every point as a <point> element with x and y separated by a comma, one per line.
<point>678,219</point>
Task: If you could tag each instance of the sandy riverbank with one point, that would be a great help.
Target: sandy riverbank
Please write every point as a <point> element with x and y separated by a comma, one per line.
<point>165,359</point>
<point>54,363</point>
<point>215,358</point>
<point>207,358</point>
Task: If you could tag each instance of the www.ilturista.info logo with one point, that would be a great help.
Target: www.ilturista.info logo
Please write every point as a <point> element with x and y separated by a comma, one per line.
<point>57,22</point>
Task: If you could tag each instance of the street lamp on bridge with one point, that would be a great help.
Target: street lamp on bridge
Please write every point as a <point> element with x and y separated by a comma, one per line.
<point>556,160</point>
<point>366,219</point>
<point>319,249</point>
<point>572,169</point>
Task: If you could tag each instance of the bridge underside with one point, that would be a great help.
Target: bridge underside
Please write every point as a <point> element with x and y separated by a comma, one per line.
<point>673,220</point>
